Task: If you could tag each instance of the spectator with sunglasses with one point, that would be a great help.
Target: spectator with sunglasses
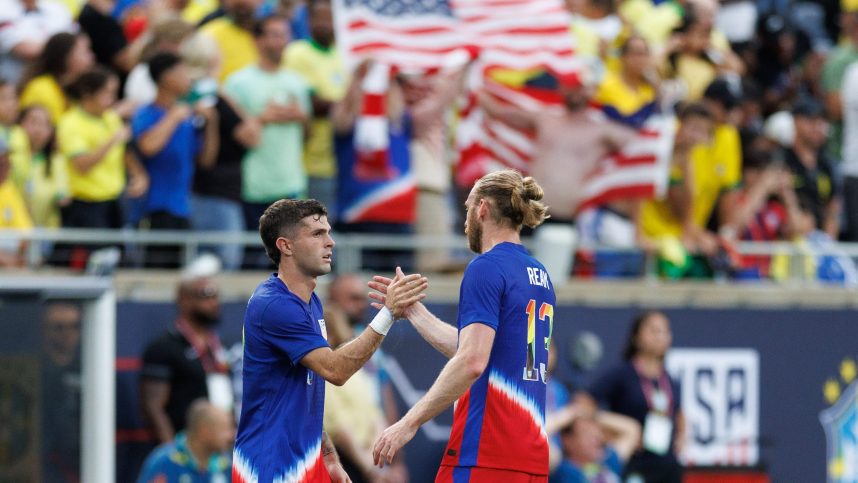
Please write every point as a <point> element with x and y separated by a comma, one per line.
<point>187,362</point>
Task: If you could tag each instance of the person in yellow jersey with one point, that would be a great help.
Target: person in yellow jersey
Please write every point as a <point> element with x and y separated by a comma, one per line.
<point>65,57</point>
<point>703,181</point>
<point>39,172</point>
<point>628,95</point>
<point>92,137</point>
<point>13,212</point>
<point>320,64</point>
<point>233,33</point>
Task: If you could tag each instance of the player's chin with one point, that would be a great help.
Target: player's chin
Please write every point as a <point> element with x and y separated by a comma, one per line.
<point>325,268</point>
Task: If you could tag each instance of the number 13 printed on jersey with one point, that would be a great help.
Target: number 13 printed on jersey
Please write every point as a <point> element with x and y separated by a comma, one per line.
<point>546,311</point>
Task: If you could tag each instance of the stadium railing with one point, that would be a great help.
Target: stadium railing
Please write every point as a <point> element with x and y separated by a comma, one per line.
<point>349,247</point>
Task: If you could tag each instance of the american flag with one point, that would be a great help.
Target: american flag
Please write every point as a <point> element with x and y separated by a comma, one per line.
<point>518,35</point>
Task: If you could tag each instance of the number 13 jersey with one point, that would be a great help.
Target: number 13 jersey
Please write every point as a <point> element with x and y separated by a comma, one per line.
<point>500,421</point>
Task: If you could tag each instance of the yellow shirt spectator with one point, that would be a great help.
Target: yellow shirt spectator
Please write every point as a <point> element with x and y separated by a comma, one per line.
<point>13,210</point>
<point>324,71</point>
<point>46,91</point>
<point>43,184</point>
<point>80,132</point>
<point>237,46</point>
<point>716,168</point>
<point>624,103</point>
<point>654,22</point>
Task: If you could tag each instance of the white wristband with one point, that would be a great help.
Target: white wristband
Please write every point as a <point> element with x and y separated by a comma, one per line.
<point>382,322</point>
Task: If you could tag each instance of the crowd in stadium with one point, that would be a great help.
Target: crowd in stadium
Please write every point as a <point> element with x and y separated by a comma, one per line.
<point>195,116</point>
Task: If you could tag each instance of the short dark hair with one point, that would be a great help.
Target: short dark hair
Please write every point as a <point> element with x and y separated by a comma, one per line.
<point>281,218</point>
<point>693,109</point>
<point>90,82</point>
<point>162,62</point>
<point>259,25</point>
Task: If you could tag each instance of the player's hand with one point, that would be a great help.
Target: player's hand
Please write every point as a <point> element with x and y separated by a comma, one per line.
<point>390,441</point>
<point>400,293</point>
<point>338,474</point>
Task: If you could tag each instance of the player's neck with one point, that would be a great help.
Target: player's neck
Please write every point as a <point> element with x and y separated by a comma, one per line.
<point>496,236</point>
<point>298,283</point>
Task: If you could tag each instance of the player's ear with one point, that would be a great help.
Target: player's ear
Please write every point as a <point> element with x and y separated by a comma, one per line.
<point>284,245</point>
<point>483,208</point>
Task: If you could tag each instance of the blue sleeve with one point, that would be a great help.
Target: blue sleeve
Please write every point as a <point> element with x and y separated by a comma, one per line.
<point>289,330</point>
<point>154,467</point>
<point>612,461</point>
<point>567,473</point>
<point>142,121</point>
<point>481,294</point>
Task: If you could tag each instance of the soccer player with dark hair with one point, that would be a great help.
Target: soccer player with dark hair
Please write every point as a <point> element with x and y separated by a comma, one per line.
<point>498,351</point>
<point>287,357</point>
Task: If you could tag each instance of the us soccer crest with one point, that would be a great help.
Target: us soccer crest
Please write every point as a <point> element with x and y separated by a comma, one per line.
<point>840,421</point>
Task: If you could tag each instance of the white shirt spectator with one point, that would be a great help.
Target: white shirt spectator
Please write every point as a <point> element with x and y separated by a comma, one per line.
<point>849,91</point>
<point>27,26</point>
<point>139,87</point>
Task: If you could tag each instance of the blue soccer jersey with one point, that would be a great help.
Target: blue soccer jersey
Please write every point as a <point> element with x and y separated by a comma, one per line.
<point>500,422</point>
<point>280,430</point>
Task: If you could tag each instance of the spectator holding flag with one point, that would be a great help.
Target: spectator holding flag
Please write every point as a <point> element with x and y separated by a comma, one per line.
<point>376,189</point>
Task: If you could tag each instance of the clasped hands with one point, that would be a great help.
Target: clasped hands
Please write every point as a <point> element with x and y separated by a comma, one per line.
<point>398,294</point>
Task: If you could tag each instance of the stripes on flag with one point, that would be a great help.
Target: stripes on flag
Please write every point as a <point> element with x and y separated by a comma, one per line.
<point>511,35</point>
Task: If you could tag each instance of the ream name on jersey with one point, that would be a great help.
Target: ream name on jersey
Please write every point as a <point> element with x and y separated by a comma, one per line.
<point>537,276</point>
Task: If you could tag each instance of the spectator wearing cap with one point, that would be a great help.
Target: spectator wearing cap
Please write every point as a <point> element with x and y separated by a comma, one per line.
<point>776,61</point>
<point>13,212</point>
<point>812,169</point>
<point>172,135</point>
<point>187,362</point>
<point>834,70</point>
<point>27,26</point>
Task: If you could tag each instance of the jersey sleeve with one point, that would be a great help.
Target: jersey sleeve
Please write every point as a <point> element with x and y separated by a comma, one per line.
<point>157,361</point>
<point>482,290</point>
<point>289,330</point>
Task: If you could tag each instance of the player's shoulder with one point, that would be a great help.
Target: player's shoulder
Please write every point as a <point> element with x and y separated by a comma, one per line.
<point>272,296</point>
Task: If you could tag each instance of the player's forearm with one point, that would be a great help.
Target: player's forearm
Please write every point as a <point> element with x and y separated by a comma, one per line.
<point>456,377</point>
<point>329,453</point>
<point>350,357</point>
<point>439,334</point>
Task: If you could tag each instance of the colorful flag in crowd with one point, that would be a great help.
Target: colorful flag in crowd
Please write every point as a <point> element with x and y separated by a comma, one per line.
<point>529,36</point>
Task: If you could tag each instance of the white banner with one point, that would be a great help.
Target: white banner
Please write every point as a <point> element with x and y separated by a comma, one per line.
<point>721,403</point>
